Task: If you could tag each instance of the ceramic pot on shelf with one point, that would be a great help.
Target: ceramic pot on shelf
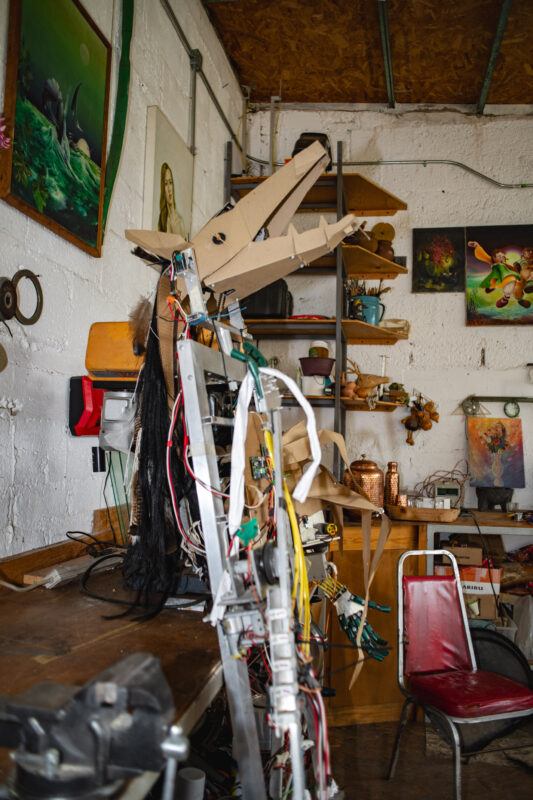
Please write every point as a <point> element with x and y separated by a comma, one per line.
<point>371,307</point>
<point>385,249</point>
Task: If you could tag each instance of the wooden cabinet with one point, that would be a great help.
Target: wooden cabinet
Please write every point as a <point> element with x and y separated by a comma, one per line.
<point>375,696</point>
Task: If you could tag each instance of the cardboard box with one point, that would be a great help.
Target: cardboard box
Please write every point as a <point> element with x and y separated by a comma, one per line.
<point>475,580</point>
<point>481,606</point>
<point>466,556</point>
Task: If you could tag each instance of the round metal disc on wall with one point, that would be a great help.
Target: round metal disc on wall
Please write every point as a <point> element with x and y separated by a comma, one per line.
<point>470,407</point>
<point>8,299</point>
<point>27,273</point>
<point>3,358</point>
<point>511,409</point>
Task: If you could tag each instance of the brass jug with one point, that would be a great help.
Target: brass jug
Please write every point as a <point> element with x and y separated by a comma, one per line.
<point>369,477</point>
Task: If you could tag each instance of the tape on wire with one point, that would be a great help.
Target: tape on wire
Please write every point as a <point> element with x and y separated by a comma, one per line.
<point>31,276</point>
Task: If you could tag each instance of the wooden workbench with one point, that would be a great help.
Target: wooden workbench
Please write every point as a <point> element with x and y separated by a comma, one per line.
<point>59,634</point>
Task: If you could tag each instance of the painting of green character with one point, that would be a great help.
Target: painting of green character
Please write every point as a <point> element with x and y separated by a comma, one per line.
<point>499,275</point>
<point>438,260</point>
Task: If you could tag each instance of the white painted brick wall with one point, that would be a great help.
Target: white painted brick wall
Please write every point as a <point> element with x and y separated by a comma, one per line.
<point>46,480</point>
<point>443,356</point>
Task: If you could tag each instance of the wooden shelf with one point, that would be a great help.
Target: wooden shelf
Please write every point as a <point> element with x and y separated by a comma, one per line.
<point>321,401</point>
<point>358,263</point>
<point>357,332</point>
<point>326,265</point>
<point>295,328</point>
<point>362,197</point>
<point>361,263</point>
<point>350,405</point>
<point>361,405</point>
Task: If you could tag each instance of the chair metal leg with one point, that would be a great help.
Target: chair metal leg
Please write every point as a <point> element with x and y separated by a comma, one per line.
<point>456,761</point>
<point>401,727</point>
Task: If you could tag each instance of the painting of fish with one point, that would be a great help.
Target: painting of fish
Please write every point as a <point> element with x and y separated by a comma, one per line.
<point>57,89</point>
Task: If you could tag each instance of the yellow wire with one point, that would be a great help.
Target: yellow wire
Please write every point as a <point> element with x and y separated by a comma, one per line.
<point>300,586</point>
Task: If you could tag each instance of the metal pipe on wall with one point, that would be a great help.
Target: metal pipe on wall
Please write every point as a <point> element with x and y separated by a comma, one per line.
<point>189,50</point>
<point>420,161</point>
<point>383,13</point>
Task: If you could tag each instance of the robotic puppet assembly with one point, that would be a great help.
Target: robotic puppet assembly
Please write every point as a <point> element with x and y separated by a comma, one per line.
<point>224,496</point>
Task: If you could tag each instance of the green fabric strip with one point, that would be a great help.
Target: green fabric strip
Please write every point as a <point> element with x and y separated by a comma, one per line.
<point>121,106</point>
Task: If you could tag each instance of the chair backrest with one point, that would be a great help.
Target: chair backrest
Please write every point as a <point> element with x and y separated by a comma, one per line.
<point>433,633</point>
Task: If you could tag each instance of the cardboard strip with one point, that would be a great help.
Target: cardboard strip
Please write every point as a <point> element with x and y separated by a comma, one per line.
<point>369,571</point>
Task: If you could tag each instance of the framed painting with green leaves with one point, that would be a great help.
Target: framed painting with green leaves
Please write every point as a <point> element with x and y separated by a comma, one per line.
<point>56,104</point>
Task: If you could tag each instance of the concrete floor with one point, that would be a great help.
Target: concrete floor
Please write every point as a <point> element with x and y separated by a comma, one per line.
<point>361,754</point>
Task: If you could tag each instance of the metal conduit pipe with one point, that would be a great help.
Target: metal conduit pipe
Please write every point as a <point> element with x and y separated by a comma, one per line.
<point>420,161</point>
<point>190,52</point>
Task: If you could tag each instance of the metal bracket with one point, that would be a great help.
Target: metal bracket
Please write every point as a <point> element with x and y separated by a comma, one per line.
<point>195,60</point>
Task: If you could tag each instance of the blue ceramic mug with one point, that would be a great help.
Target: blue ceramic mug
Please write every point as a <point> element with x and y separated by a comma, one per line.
<point>370,309</point>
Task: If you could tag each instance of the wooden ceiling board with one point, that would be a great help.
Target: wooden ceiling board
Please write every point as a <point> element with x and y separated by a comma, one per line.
<point>325,51</point>
<point>329,51</point>
<point>512,81</point>
<point>440,50</point>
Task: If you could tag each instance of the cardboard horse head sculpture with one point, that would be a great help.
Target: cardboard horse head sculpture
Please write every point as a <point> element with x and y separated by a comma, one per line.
<point>253,244</point>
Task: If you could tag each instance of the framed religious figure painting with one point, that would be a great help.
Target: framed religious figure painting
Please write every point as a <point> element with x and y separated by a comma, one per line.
<point>499,275</point>
<point>168,177</point>
<point>56,103</point>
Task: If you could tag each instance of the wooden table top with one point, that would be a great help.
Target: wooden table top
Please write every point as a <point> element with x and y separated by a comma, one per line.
<point>59,634</point>
<point>493,519</point>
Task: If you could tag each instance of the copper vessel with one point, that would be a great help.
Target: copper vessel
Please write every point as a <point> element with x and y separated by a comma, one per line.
<point>392,484</point>
<point>369,477</point>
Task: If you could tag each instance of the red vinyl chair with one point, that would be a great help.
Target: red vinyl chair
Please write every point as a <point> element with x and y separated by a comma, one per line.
<point>437,667</point>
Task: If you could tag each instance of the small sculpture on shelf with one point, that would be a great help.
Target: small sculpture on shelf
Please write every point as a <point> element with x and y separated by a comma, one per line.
<point>396,393</point>
<point>488,497</point>
<point>378,240</point>
<point>364,387</point>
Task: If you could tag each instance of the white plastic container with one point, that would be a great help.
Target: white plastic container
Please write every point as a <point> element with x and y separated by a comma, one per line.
<point>313,385</point>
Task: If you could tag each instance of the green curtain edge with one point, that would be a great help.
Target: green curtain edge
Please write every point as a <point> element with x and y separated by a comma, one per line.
<point>121,107</point>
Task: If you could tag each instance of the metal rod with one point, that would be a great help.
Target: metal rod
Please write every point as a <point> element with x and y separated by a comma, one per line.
<point>228,158</point>
<point>383,12</point>
<point>494,53</point>
<point>244,137</point>
<point>498,399</point>
<point>188,49</point>
<point>272,135</point>
<point>218,107</point>
<point>195,60</point>
<point>339,305</point>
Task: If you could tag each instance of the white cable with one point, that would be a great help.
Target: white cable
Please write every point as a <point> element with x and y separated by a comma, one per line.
<point>304,484</point>
<point>240,425</point>
<point>236,501</point>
